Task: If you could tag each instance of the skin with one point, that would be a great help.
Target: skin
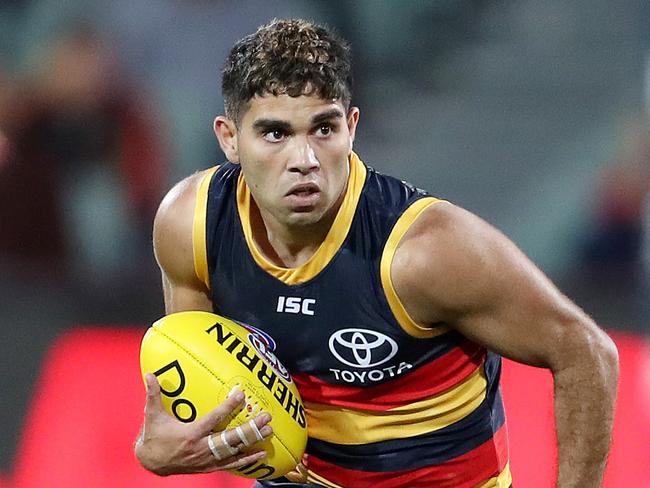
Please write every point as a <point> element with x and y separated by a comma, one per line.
<point>282,143</point>
<point>450,267</point>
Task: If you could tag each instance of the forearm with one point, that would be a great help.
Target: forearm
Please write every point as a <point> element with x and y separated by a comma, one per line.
<point>585,394</point>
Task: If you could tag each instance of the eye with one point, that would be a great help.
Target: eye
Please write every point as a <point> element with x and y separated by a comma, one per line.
<point>324,130</point>
<point>276,135</point>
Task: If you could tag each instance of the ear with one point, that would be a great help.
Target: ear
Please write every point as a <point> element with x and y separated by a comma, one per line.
<point>226,132</point>
<point>352,121</point>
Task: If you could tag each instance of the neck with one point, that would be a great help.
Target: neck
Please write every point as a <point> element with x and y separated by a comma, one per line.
<point>290,246</point>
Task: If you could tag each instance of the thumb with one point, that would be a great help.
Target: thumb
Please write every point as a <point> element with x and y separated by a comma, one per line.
<point>154,405</point>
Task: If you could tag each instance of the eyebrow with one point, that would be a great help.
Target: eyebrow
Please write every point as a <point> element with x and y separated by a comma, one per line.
<point>267,125</point>
<point>333,113</point>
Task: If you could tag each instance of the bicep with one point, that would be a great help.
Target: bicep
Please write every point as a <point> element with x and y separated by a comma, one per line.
<point>173,248</point>
<point>519,313</point>
<point>471,277</point>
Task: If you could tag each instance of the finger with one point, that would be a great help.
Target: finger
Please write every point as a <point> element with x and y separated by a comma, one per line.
<point>242,460</point>
<point>262,420</point>
<point>232,442</point>
<point>259,426</point>
<point>224,453</point>
<point>249,433</point>
<point>214,417</point>
<point>154,403</point>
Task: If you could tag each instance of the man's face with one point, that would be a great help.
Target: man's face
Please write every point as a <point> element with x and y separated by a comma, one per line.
<point>294,156</point>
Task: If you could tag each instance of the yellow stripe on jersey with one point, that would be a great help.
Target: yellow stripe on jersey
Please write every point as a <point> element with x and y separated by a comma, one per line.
<point>352,427</point>
<point>331,244</point>
<point>199,241</point>
<point>401,226</point>
<point>319,480</point>
<point>504,480</point>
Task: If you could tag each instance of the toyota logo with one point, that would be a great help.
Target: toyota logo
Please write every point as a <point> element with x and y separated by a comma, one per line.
<point>362,348</point>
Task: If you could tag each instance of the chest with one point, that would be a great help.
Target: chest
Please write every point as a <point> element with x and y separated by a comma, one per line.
<point>337,327</point>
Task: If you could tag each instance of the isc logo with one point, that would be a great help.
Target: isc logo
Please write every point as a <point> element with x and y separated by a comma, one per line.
<point>296,305</point>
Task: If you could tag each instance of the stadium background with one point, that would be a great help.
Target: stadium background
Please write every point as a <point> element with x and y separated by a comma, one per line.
<point>531,113</point>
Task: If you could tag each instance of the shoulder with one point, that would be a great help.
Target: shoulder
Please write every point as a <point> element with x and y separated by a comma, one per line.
<point>172,229</point>
<point>177,207</point>
<point>449,261</point>
<point>443,231</point>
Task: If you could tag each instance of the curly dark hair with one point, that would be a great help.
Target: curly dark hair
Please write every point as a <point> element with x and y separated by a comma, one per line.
<point>293,57</point>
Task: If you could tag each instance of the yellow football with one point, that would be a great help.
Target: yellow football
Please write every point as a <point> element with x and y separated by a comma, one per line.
<point>199,357</point>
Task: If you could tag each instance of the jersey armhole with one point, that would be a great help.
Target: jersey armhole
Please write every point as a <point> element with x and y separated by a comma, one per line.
<point>199,238</point>
<point>400,228</point>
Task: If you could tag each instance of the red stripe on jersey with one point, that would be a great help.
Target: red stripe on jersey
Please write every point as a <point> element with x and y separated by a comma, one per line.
<point>434,377</point>
<point>466,471</point>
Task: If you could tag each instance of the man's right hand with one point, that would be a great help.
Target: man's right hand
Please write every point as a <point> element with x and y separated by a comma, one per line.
<point>168,446</point>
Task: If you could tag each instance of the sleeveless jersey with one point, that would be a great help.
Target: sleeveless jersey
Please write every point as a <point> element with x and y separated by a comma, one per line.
<point>389,403</point>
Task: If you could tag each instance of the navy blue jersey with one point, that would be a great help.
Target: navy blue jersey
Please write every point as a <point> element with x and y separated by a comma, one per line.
<point>389,402</point>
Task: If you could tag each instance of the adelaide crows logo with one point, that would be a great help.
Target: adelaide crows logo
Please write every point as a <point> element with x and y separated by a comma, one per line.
<point>264,344</point>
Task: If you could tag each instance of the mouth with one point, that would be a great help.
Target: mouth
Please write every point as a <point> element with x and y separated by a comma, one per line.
<point>303,189</point>
<point>303,194</point>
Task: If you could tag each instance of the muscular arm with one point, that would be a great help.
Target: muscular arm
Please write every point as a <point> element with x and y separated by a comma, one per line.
<point>165,445</point>
<point>454,268</point>
<point>172,241</point>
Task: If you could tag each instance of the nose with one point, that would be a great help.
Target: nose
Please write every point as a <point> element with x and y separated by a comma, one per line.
<point>302,159</point>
